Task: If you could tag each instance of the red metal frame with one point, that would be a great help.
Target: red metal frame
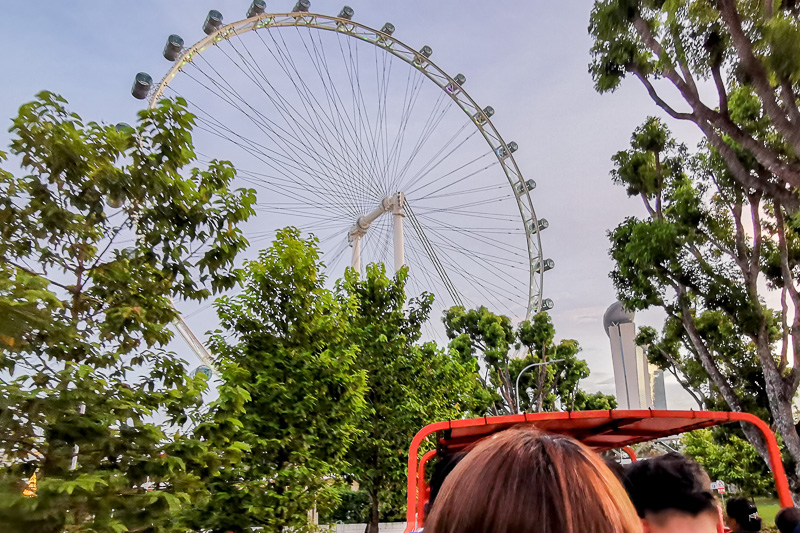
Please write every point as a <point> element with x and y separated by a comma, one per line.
<point>613,423</point>
<point>630,452</point>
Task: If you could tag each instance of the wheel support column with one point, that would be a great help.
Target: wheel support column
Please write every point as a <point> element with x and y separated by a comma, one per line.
<point>393,203</point>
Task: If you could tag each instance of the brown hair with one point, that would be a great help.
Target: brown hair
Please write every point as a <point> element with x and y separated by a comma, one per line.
<point>524,480</point>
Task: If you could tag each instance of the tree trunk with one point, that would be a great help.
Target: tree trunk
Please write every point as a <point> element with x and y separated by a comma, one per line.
<point>374,515</point>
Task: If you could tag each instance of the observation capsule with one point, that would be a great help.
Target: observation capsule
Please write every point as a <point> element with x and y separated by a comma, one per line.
<point>535,226</point>
<point>141,85</point>
<point>426,51</point>
<point>455,85</point>
<point>529,186</point>
<point>172,50</point>
<point>256,8</point>
<point>547,264</point>
<point>346,13</point>
<point>302,6</point>
<point>203,370</point>
<point>388,28</point>
<point>547,304</point>
<point>502,152</point>
<point>213,22</point>
<point>481,116</point>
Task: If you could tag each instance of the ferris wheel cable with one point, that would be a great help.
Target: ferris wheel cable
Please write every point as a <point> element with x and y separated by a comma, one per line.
<point>499,273</point>
<point>466,213</point>
<point>461,192</point>
<point>510,285</point>
<point>332,94</point>
<point>431,125</point>
<point>359,104</point>
<point>409,102</point>
<point>372,184</point>
<point>288,145</point>
<point>433,257</point>
<point>495,200</point>
<point>502,298</point>
<point>432,164</point>
<point>309,96</point>
<point>341,202</point>
<point>491,242</point>
<point>456,181</point>
<point>505,262</point>
<point>277,156</point>
<point>462,167</point>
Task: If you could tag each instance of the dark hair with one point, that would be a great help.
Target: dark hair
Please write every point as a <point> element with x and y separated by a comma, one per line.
<point>669,482</point>
<point>441,469</point>
<point>787,519</point>
<point>524,480</point>
<point>745,513</point>
<point>616,468</point>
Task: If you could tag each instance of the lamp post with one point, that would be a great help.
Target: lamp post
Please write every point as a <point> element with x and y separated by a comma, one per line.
<point>523,371</point>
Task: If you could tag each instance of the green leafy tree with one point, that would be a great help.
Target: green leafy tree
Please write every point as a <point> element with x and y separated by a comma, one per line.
<point>287,363</point>
<point>707,253</point>
<point>731,459</point>
<point>503,353</point>
<point>90,401</point>
<point>747,51</point>
<point>409,384</point>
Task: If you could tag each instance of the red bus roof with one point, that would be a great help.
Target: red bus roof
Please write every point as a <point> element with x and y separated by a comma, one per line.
<point>600,430</point>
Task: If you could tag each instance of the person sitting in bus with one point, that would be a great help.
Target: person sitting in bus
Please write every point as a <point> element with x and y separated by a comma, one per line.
<point>522,480</point>
<point>788,520</point>
<point>672,494</point>
<point>742,515</point>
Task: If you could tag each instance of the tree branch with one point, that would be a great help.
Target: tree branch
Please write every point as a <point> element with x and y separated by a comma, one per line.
<point>758,74</point>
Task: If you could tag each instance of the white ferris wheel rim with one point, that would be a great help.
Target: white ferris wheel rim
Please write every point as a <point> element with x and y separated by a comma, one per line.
<point>430,70</point>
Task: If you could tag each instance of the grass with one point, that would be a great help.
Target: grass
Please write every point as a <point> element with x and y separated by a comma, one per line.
<point>767,508</point>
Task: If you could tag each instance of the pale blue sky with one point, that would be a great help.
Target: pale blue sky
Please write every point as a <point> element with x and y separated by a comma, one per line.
<point>526,59</point>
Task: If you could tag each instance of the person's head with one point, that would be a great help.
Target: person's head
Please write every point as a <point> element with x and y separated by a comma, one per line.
<point>524,480</point>
<point>788,520</point>
<point>742,515</point>
<point>672,493</point>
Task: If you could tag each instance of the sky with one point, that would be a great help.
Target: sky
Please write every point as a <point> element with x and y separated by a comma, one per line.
<point>528,60</point>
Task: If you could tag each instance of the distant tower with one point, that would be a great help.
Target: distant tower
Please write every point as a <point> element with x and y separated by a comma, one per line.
<point>659,391</point>
<point>633,376</point>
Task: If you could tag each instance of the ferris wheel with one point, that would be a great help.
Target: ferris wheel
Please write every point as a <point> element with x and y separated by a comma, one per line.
<point>347,133</point>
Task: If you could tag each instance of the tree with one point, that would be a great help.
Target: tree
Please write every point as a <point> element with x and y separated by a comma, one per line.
<point>731,459</point>
<point>409,384</point>
<point>491,339</point>
<point>84,376</point>
<point>287,364</point>
<point>705,254</point>
<point>749,50</point>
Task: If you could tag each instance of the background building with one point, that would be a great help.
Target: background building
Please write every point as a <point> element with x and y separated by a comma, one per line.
<point>639,385</point>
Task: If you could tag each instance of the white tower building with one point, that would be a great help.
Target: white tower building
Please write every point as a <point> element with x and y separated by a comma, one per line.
<point>638,383</point>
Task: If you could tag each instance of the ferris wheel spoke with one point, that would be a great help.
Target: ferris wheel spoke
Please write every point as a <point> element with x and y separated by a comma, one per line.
<point>336,198</point>
<point>433,121</point>
<point>286,63</point>
<point>425,232</point>
<point>290,145</point>
<point>295,142</point>
<point>491,242</point>
<point>338,110</point>
<point>276,157</point>
<point>460,192</point>
<point>365,130</point>
<point>456,181</point>
<point>308,95</point>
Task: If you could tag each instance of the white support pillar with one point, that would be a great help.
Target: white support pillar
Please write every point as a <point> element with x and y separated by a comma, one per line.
<point>355,242</point>
<point>393,203</point>
<point>399,246</point>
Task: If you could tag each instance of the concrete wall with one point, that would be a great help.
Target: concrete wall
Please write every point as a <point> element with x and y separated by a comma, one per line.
<point>384,527</point>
